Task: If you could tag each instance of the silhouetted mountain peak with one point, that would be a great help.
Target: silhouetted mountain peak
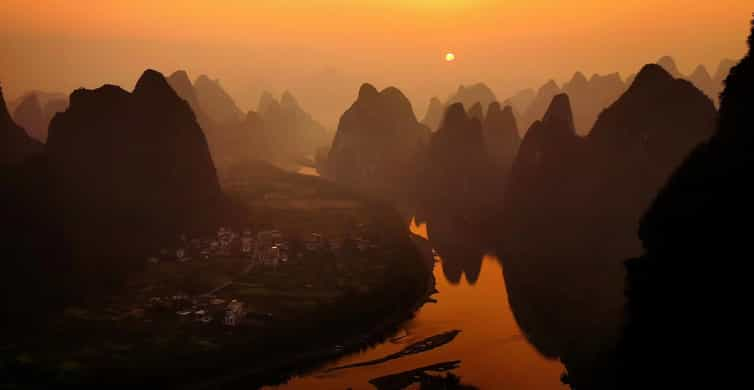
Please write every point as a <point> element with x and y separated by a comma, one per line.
<point>140,160</point>
<point>202,79</point>
<point>702,80</point>
<point>147,136</point>
<point>215,101</point>
<point>560,111</point>
<point>477,112</point>
<point>459,135</point>
<point>498,114</point>
<point>610,78</point>
<point>181,84</point>
<point>521,101</point>
<point>501,136</point>
<point>153,84</point>
<point>662,116</point>
<point>180,77</point>
<point>435,104</point>
<point>578,79</point>
<point>475,87</point>
<point>398,103</point>
<point>272,108</point>
<point>537,108</point>
<point>690,238</point>
<point>668,63</point>
<point>378,142</point>
<point>651,74</point>
<point>700,73</point>
<point>508,111</point>
<point>468,95</point>
<point>433,116</point>
<point>368,92</point>
<point>460,177</point>
<point>393,92</point>
<point>266,100</point>
<point>389,103</point>
<point>101,96</point>
<point>288,101</point>
<point>549,87</point>
<point>494,108</point>
<point>500,119</point>
<point>455,116</point>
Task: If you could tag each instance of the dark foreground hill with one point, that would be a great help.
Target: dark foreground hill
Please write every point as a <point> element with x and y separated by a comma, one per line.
<point>690,281</point>
<point>572,206</point>
<point>121,172</point>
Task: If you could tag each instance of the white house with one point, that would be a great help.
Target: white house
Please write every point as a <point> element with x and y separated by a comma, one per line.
<point>234,313</point>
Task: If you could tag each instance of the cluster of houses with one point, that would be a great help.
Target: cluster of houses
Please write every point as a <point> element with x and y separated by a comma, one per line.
<point>204,309</point>
<point>317,242</point>
<point>264,248</point>
<point>267,248</point>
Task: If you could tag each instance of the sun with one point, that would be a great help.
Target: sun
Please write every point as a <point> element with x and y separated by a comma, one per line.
<point>450,57</point>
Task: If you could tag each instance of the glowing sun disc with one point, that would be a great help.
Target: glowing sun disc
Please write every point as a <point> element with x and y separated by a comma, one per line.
<point>450,57</point>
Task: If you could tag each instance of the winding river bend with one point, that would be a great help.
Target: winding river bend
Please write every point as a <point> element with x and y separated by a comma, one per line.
<point>491,348</point>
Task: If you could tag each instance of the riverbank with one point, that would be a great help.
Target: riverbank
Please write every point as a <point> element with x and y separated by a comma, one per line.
<point>278,371</point>
<point>350,287</point>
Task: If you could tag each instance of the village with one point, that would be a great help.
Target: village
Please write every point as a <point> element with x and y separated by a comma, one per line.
<point>302,271</point>
<point>260,259</point>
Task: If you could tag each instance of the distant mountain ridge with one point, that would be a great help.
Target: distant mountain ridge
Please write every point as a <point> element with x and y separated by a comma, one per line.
<point>589,96</point>
<point>472,94</point>
<point>182,85</point>
<point>434,114</point>
<point>215,102</point>
<point>34,111</point>
<point>279,131</point>
<point>15,143</point>
<point>290,130</point>
<point>711,85</point>
<point>468,96</point>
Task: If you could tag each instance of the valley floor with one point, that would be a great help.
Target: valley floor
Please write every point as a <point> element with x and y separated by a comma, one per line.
<point>345,273</point>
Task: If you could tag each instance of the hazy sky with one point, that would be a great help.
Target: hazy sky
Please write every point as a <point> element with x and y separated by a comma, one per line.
<point>323,49</point>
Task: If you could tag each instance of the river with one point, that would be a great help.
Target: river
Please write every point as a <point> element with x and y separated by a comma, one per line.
<point>492,351</point>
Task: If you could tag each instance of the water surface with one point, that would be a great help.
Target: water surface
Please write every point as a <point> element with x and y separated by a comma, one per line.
<point>492,350</point>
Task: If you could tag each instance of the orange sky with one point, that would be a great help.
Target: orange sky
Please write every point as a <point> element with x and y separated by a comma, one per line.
<point>309,45</point>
